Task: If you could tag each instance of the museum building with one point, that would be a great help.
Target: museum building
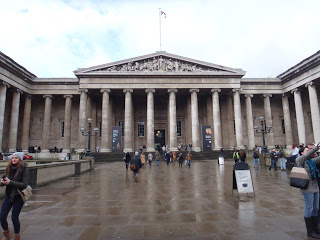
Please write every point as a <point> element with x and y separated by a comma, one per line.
<point>160,98</point>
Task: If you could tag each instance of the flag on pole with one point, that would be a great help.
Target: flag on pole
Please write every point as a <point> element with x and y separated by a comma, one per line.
<point>165,15</point>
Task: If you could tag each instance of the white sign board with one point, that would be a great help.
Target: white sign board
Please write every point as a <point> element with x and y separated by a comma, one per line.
<point>244,181</point>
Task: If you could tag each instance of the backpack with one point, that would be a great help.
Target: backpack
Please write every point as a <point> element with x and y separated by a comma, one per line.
<point>133,164</point>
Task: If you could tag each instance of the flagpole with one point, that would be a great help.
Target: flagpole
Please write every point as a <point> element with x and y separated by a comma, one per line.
<point>160,26</point>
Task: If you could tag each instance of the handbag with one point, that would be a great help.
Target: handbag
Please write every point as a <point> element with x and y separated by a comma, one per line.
<point>299,178</point>
<point>25,193</point>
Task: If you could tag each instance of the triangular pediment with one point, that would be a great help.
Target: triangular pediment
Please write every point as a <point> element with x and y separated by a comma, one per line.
<point>159,63</point>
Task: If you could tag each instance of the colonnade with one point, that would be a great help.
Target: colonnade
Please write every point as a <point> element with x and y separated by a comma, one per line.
<point>172,125</point>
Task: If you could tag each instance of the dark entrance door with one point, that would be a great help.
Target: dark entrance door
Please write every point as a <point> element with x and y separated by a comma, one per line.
<point>159,138</point>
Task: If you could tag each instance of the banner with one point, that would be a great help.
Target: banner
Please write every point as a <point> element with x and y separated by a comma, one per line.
<point>116,139</point>
<point>206,138</point>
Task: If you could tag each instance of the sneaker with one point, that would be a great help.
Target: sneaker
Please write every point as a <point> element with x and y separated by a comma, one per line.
<point>269,170</point>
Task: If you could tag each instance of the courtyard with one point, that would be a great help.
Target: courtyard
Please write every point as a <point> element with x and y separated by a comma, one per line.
<point>168,202</point>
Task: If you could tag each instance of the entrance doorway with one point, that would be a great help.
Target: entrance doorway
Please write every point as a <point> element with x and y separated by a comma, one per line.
<point>159,138</point>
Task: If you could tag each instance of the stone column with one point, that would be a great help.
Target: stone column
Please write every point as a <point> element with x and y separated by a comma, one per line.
<point>251,142</point>
<point>46,123</point>
<point>67,123</point>
<point>195,120</point>
<point>216,119</point>
<point>82,119</point>
<point>314,106</point>
<point>14,119</point>
<point>230,124</point>
<point>287,121</point>
<point>128,121</point>
<point>26,124</point>
<point>173,145</point>
<point>238,117</point>
<point>3,96</point>
<point>268,118</point>
<point>299,116</point>
<point>150,120</point>
<point>105,131</point>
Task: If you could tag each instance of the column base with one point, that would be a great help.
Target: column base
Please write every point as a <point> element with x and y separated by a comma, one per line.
<point>105,150</point>
<point>25,150</point>
<point>216,149</point>
<point>80,150</point>
<point>151,150</point>
<point>197,149</point>
<point>66,150</point>
<point>173,149</point>
<point>12,150</point>
<point>128,150</point>
<point>45,150</point>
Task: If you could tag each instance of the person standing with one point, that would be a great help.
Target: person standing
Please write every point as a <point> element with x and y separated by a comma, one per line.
<point>150,156</point>
<point>188,158</point>
<point>16,178</point>
<point>190,147</point>
<point>273,157</point>
<point>143,159</point>
<point>157,157</point>
<point>136,160</point>
<point>255,156</point>
<point>127,160</point>
<point>174,158</point>
<point>242,155</point>
<point>180,159</point>
<point>310,162</point>
<point>283,159</point>
<point>236,156</point>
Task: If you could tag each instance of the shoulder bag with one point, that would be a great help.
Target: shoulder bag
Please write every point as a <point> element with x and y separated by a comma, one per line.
<point>299,178</point>
<point>25,193</point>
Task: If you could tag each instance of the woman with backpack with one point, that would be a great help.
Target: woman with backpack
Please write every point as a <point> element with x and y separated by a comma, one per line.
<point>135,165</point>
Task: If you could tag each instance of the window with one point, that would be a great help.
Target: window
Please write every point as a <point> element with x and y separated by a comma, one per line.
<point>283,127</point>
<point>62,129</point>
<point>140,129</point>
<point>121,124</point>
<point>100,128</point>
<point>234,127</point>
<point>179,128</point>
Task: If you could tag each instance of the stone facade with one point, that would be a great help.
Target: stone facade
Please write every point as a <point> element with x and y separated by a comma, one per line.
<point>162,92</point>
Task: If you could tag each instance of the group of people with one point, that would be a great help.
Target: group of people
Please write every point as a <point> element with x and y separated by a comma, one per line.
<point>139,160</point>
<point>180,147</point>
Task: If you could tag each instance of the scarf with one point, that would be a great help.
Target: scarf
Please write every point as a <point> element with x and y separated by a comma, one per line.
<point>314,170</point>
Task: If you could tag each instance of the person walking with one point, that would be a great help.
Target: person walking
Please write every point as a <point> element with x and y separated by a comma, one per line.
<point>309,161</point>
<point>127,160</point>
<point>143,159</point>
<point>167,157</point>
<point>157,157</point>
<point>180,159</point>
<point>188,158</point>
<point>136,160</point>
<point>150,156</point>
<point>236,156</point>
<point>255,156</point>
<point>242,155</point>
<point>174,158</point>
<point>15,178</point>
<point>273,157</point>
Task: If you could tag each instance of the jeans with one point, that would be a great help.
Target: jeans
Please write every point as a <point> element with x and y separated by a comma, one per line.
<point>157,161</point>
<point>189,163</point>
<point>283,163</point>
<point>273,164</point>
<point>16,206</point>
<point>127,166</point>
<point>312,204</point>
<point>149,163</point>
<point>256,161</point>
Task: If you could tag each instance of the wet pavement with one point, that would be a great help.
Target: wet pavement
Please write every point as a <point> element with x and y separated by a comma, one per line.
<point>168,202</point>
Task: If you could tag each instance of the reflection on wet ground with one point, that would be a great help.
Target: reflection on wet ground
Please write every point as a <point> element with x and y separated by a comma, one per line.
<point>167,202</point>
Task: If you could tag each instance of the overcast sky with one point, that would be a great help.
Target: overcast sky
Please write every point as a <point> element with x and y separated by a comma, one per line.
<point>52,38</point>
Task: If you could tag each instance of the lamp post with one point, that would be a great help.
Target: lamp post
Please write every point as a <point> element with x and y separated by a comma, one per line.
<point>264,132</point>
<point>89,134</point>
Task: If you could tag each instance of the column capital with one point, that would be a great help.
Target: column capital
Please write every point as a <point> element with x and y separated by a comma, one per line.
<point>152,90</point>
<point>107,90</point>
<point>130,90</point>
<point>80,90</point>
<point>215,90</point>
<point>285,95</point>
<point>47,96</point>
<point>174,90</point>
<point>28,96</point>
<point>67,96</point>
<point>194,90</point>
<point>266,95</point>
<point>5,84</point>
<point>248,95</point>
<point>309,84</point>
<point>236,90</point>
<point>18,90</point>
<point>296,90</point>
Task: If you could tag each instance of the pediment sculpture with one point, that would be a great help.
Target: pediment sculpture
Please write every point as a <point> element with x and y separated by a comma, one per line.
<point>158,64</point>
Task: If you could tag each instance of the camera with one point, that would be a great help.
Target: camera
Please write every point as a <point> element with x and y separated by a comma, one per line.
<point>3,177</point>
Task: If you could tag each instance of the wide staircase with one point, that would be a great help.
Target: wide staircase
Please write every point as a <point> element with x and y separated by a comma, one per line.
<point>205,155</point>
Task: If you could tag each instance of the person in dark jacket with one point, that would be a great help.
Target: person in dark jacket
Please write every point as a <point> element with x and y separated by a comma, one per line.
<point>137,161</point>
<point>180,159</point>
<point>127,160</point>
<point>310,161</point>
<point>16,177</point>
<point>273,158</point>
<point>255,156</point>
<point>167,157</point>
